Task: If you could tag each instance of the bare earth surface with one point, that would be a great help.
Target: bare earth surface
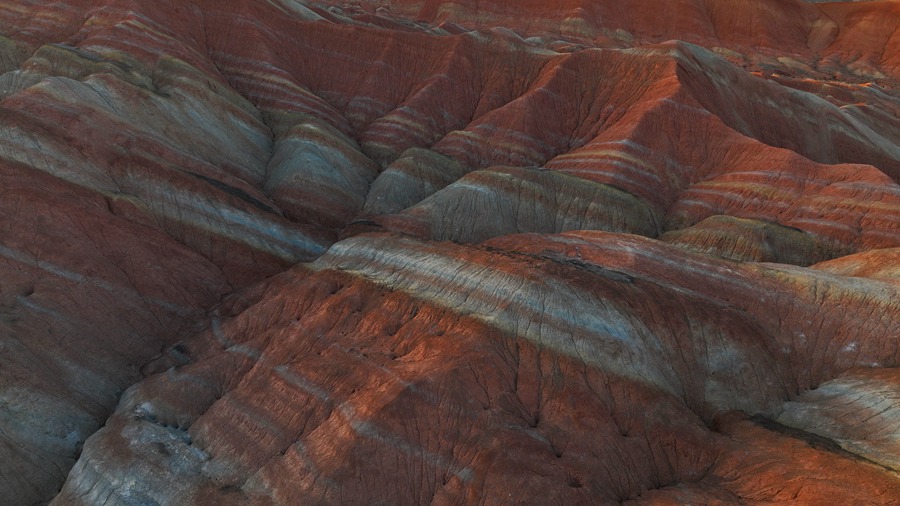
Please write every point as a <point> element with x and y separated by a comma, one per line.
<point>449,252</point>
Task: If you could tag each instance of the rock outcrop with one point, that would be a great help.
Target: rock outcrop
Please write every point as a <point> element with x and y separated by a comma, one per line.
<point>566,368</point>
<point>406,252</point>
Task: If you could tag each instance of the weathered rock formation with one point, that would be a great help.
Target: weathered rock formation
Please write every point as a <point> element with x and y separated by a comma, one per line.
<point>397,252</point>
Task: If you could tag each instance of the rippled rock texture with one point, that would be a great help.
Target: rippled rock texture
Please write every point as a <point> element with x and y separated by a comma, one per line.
<point>469,252</point>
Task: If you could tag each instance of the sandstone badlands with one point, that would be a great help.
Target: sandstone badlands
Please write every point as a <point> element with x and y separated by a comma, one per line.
<point>449,252</point>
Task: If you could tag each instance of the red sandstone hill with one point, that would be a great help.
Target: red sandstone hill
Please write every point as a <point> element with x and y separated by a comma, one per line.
<point>467,252</point>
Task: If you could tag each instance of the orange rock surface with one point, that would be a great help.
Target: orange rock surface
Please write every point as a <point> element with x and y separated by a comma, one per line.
<point>449,252</point>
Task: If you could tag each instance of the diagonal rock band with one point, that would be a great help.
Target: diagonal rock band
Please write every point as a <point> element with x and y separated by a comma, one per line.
<point>470,252</point>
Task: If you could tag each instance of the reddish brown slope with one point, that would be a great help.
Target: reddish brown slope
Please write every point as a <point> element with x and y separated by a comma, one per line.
<point>869,38</point>
<point>161,155</point>
<point>129,207</point>
<point>766,24</point>
<point>551,368</point>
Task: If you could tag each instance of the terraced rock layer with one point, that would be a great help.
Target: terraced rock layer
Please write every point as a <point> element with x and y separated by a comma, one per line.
<point>449,252</point>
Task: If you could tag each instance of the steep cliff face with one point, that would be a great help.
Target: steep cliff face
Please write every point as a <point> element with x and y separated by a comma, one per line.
<point>453,252</point>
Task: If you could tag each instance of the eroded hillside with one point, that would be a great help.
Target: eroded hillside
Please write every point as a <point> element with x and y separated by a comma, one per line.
<point>577,252</point>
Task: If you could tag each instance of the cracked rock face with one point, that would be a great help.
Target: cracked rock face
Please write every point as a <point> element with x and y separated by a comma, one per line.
<point>575,252</point>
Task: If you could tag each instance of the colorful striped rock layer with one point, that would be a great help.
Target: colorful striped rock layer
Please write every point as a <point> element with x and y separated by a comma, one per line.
<point>449,252</point>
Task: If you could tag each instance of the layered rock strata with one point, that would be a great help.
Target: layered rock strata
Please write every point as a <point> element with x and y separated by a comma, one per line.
<point>452,252</point>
